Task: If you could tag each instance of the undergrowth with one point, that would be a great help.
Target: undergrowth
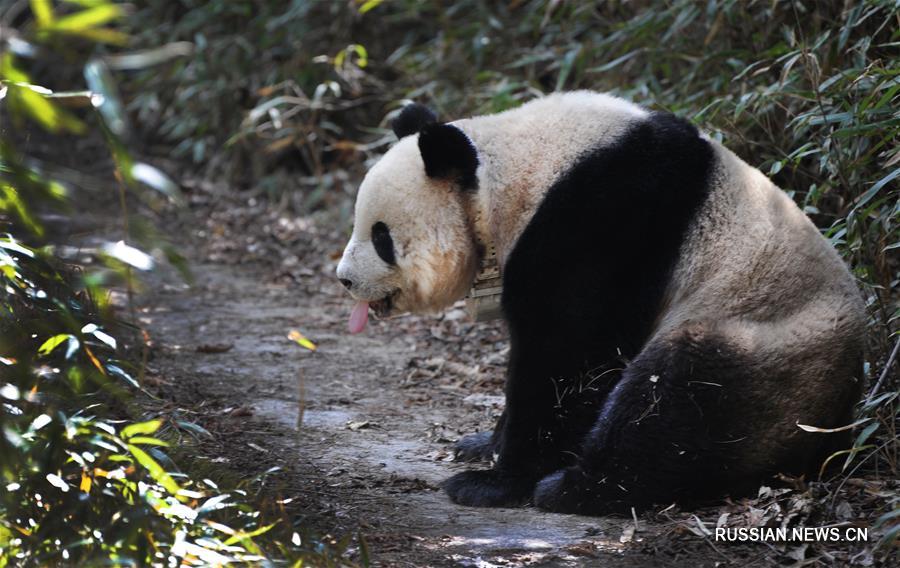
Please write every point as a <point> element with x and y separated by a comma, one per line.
<point>88,475</point>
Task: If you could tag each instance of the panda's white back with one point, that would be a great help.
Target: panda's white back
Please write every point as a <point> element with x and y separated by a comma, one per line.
<point>751,253</point>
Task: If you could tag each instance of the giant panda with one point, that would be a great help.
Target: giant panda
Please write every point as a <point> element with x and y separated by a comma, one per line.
<point>673,316</point>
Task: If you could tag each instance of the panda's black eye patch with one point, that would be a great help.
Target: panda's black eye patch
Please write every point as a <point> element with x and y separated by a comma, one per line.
<point>383,243</point>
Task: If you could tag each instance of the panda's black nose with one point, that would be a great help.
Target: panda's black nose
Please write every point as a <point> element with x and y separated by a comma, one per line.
<point>347,283</point>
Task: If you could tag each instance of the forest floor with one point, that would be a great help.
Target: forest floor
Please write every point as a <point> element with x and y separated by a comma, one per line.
<point>361,430</point>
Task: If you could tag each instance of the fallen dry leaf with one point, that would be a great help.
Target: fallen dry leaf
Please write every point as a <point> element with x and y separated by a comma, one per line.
<point>359,425</point>
<point>301,340</point>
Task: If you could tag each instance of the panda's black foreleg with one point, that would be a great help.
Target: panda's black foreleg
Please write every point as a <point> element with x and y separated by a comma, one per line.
<point>490,488</point>
<point>515,472</point>
<point>481,446</point>
<point>547,412</point>
<point>474,447</point>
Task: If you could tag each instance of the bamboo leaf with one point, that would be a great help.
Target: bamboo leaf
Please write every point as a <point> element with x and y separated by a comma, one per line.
<point>156,471</point>
<point>141,428</point>
<point>148,441</point>
<point>872,191</point>
<point>89,18</point>
<point>246,537</point>
<point>52,343</point>
<point>43,12</point>
<point>806,428</point>
<point>369,5</point>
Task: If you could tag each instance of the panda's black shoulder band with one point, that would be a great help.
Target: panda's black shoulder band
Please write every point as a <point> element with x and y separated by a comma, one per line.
<point>412,119</point>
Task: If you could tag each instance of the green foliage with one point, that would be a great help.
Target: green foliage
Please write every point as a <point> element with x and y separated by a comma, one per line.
<point>79,484</point>
<point>84,481</point>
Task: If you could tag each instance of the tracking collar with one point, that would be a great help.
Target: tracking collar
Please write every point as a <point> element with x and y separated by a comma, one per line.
<point>483,299</point>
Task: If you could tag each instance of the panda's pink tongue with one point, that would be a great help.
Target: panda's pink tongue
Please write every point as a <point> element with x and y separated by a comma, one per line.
<point>359,316</point>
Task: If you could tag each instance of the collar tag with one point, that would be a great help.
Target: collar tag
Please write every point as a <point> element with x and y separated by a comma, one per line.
<point>483,301</point>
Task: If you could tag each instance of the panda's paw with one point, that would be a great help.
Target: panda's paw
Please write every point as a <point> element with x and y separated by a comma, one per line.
<point>474,447</point>
<point>488,488</point>
<point>562,492</point>
<point>571,490</point>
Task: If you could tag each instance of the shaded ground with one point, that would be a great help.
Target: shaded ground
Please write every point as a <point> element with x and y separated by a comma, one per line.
<point>363,427</point>
<point>374,442</point>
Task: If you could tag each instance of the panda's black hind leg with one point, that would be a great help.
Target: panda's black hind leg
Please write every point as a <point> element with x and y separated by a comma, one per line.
<point>671,430</point>
<point>569,490</point>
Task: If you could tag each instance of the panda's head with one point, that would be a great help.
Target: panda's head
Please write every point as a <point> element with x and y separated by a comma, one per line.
<point>412,247</point>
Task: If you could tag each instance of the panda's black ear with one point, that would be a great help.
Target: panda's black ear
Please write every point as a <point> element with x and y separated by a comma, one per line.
<point>412,119</point>
<point>449,154</point>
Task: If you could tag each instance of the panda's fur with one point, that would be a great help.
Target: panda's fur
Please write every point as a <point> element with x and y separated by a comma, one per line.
<point>673,315</point>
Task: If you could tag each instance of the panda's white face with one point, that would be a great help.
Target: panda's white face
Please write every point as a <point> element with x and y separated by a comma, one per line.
<point>411,249</point>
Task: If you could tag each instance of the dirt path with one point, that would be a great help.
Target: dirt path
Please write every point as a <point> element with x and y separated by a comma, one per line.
<point>375,441</point>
